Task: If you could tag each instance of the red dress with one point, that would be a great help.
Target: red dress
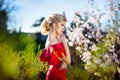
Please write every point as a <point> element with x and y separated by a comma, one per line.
<point>52,55</point>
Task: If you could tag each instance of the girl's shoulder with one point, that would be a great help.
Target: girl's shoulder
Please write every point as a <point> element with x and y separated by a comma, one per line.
<point>47,44</point>
<point>50,43</point>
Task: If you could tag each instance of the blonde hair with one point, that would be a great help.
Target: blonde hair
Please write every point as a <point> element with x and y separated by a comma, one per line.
<point>47,23</point>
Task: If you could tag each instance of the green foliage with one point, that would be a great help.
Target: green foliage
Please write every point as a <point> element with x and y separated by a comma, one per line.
<point>18,41</point>
<point>22,65</point>
<point>9,63</point>
<point>102,72</point>
<point>100,66</point>
<point>30,64</point>
<point>77,73</point>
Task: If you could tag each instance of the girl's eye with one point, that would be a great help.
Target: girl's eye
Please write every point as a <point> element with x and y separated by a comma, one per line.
<point>62,24</point>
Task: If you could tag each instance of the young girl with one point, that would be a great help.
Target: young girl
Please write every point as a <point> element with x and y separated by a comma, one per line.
<point>56,52</point>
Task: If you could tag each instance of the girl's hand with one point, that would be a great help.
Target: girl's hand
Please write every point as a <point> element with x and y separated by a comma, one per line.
<point>63,65</point>
<point>65,60</point>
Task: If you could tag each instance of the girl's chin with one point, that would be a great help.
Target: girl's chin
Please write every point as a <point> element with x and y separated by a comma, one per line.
<point>60,34</point>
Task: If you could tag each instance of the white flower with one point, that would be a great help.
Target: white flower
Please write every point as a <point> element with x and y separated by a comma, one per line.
<point>89,36</point>
<point>97,60</point>
<point>89,63</point>
<point>106,55</point>
<point>94,47</point>
<point>118,68</point>
<point>87,41</point>
<point>86,67</point>
<point>97,74</point>
<point>102,65</point>
<point>86,56</point>
<point>70,43</point>
<point>78,48</point>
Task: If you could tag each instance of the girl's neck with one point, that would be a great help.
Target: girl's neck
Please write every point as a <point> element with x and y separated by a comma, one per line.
<point>53,36</point>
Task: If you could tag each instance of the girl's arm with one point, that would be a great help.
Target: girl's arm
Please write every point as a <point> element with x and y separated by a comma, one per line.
<point>66,59</point>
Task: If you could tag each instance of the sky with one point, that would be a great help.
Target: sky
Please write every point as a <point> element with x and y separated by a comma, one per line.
<point>32,10</point>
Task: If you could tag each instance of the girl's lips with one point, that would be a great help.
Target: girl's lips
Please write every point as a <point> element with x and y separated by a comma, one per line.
<point>61,31</point>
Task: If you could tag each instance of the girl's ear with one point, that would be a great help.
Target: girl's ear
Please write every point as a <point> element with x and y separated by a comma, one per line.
<point>54,24</point>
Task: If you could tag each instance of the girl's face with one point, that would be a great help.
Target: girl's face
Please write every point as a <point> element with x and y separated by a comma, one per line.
<point>60,28</point>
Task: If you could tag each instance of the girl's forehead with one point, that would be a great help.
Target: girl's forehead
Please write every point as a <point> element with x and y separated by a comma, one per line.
<point>62,22</point>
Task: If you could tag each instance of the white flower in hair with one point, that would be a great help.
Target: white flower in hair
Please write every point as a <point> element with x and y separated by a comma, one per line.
<point>48,20</point>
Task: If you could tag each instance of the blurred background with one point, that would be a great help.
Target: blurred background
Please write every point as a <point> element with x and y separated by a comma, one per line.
<point>92,31</point>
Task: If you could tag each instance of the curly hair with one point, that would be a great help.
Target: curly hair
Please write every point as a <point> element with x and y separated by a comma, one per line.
<point>48,22</point>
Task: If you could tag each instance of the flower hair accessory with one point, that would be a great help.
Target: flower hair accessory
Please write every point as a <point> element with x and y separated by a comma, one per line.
<point>48,20</point>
